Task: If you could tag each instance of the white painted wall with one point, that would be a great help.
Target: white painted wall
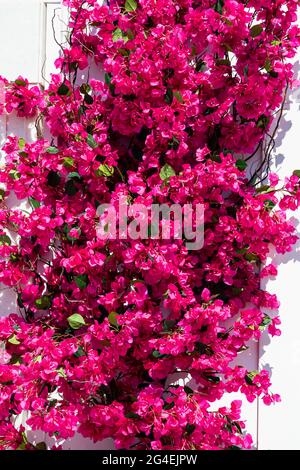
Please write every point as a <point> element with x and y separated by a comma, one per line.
<point>279,425</point>
<point>30,49</point>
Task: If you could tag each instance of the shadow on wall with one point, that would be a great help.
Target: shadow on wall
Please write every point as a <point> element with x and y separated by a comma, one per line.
<point>280,164</point>
<point>293,96</point>
<point>278,260</point>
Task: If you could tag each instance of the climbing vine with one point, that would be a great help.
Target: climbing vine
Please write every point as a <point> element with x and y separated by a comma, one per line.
<point>164,101</point>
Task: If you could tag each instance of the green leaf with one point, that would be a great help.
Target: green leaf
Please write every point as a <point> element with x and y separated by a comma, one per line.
<point>41,446</point>
<point>166,172</point>
<point>88,99</point>
<point>219,6</point>
<point>9,382</point>
<point>13,340</point>
<point>91,141</point>
<point>200,66</point>
<point>107,78</point>
<point>5,240</point>
<point>82,109</point>
<point>68,162</point>
<point>118,34</point>
<point>14,174</point>
<point>112,319</point>
<point>53,178</point>
<point>132,415</point>
<point>203,348</point>
<point>14,257</point>
<point>273,74</point>
<point>130,5</point>
<point>23,154</point>
<point>74,174</point>
<point>22,446</point>
<point>85,88</point>
<point>241,165</point>
<point>81,281</point>
<point>80,352</point>
<point>268,65</point>
<point>2,194</point>
<point>61,373</point>
<point>173,143</point>
<point>157,354</point>
<point>105,170</point>
<point>213,379</point>
<point>43,302</point>
<point>265,189</point>
<point>265,322</point>
<point>34,203</point>
<point>169,406</point>
<point>70,188</point>
<point>20,82</point>
<point>223,62</point>
<point>251,257</point>
<point>52,150</point>
<point>237,290</point>
<point>296,173</point>
<point>169,324</point>
<point>262,189</point>
<point>63,90</point>
<point>111,86</point>
<point>250,376</point>
<point>188,390</point>
<point>238,426</point>
<point>190,428</point>
<point>38,358</point>
<point>262,121</point>
<point>76,321</point>
<point>22,143</point>
<point>124,52</point>
<point>269,204</point>
<point>130,34</point>
<point>169,96</point>
<point>209,111</point>
<point>20,301</point>
<point>178,96</point>
<point>256,30</point>
<point>16,360</point>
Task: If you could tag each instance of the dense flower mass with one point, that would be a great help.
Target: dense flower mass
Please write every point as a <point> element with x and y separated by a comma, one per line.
<point>176,97</point>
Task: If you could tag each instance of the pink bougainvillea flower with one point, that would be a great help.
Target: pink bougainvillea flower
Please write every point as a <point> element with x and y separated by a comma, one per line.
<point>106,327</point>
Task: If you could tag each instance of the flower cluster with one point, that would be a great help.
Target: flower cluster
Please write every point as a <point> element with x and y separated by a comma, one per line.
<point>22,98</point>
<point>104,327</point>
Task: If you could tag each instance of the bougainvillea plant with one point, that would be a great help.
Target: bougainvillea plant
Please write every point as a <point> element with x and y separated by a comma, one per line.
<point>190,92</point>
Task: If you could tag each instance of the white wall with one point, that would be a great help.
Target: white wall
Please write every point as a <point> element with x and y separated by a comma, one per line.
<point>278,426</point>
<point>30,50</point>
